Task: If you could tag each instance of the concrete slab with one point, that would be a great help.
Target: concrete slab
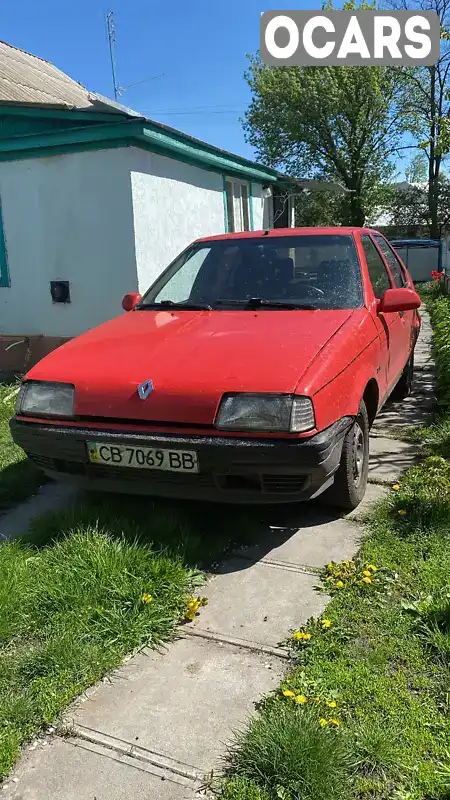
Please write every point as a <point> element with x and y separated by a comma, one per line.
<point>374,493</point>
<point>50,497</point>
<point>183,704</point>
<point>260,602</point>
<point>389,458</point>
<point>306,538</point>
<point>62,771</point>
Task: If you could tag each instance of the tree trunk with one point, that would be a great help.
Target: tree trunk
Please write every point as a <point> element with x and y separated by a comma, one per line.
<point>434,163</point>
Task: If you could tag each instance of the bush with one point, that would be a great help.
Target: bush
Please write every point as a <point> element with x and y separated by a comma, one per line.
<point>242,789</point>
<point>288,755</point>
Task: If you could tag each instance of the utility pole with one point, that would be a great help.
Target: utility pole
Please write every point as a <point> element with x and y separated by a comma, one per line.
<point>111,30</point>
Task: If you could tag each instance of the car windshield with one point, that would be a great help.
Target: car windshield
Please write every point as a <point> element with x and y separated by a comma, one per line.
<point>319,271</point>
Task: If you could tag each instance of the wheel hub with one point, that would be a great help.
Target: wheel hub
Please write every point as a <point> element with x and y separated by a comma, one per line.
<point>359,449</point>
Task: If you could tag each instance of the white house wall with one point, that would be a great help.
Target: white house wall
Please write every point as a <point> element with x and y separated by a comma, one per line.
<point>173,203</point>
<point>66,217</point>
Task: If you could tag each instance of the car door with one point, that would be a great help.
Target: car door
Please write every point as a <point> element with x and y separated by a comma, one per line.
<point>386,324</point>
<point>406,329</point>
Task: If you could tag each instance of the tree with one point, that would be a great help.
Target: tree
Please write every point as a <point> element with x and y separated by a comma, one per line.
<point>426,106</point>
<point>340,123</point>
<point>409,207</point>
<point>416,171</point>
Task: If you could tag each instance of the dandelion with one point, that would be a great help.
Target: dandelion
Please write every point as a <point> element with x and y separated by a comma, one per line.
<point>372,567</point>
<point>288,693</point>
<point>396,487</point>
<point>334,722</point>
<point>300,636</point>
<point>330,566</point>
<point>402,512</point>
<point>339,584</point>
<point>146,598</point>
<point>193,606</point>
<point>367,573</point>
<point>331,703</point>
<point>326,623</point>
<point>323,722</point>
<point>301,699</point>
<point>367,580</point>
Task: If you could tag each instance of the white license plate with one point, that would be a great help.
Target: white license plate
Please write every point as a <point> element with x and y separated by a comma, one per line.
<point>124,455</point>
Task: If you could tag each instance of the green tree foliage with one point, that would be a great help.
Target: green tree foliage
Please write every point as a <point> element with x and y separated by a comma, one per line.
<point>340,123</point>
<point>426,106</point>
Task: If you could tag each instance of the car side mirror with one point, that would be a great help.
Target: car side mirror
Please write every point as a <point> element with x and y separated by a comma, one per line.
<point>399,300</point>
<point>131,300</point>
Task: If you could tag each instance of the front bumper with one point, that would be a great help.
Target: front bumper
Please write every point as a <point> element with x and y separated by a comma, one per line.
<point>244,470</point>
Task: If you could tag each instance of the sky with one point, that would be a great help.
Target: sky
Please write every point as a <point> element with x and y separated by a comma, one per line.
<point>195,51</point>
<point>194,55</point>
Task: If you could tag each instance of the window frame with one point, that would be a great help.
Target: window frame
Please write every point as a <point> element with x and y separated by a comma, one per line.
<point>368,236</point>
<point>233,195</point>
<point>405,281</point>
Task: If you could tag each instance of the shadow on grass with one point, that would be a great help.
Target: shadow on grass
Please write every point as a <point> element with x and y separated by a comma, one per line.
<point>18,481</point>
<point>200,533</point>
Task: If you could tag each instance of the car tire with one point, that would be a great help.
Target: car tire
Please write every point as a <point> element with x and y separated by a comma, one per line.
<point>404,385</point>
<point>350,480</point>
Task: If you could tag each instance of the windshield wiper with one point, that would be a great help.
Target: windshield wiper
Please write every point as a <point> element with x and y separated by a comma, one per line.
<point>254,303</point>
<point>172,305</point>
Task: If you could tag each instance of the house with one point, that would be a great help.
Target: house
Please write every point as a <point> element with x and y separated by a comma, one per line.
<point>96,200</point>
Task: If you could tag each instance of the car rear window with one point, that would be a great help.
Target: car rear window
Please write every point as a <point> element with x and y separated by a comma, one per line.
<point>321,270</point>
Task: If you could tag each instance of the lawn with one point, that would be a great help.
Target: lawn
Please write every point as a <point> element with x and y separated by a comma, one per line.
<point>99,581</point>
<point>365,711</point>
<point>19,478</point>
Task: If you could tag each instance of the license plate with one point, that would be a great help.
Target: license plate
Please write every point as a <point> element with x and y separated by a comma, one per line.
<point>124,455</point>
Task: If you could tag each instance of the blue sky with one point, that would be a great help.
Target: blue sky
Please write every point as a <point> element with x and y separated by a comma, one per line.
<point>197,51</point>
<point>199,48</point>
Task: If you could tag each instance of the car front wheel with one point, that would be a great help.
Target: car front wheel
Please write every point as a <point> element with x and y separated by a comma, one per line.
<point>350,480</point>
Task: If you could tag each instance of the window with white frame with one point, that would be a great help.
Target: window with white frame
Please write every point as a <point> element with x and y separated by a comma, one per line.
<point>238,205</point>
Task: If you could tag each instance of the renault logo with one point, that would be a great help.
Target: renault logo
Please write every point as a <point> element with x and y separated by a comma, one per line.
<point>145,389</point>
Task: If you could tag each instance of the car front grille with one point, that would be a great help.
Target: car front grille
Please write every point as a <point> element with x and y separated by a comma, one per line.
<point>256,483</point>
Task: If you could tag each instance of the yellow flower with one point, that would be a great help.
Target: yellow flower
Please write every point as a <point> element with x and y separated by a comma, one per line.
<point>300,636</point>
<point>146,598</point>
<point>330,566</point>
<point>301,699</point>
<point>372,567</point>
<point>193,606</point>
<point>367,573</point>
<point>339,584</point>
<point>317,700</point>
<point>402,512</point>
<point>331,703</point>
<point>334,722</point>
<point>323,722</point>
<point>367,580</point>
<point>326,623</point>
<point>288,693</point>
<point>396,487</point>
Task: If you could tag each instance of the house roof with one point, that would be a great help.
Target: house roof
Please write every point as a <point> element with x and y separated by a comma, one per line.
<point>28,82</point>
<point>28,79</point>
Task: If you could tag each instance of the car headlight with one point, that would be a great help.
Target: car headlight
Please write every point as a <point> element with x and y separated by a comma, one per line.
<point>266,412</point>
<point>46,399</point>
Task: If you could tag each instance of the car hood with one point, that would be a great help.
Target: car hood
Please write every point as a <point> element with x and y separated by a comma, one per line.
<point>192,359</point>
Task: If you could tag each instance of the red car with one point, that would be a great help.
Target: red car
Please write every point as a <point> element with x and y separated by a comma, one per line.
<point>251,371</point>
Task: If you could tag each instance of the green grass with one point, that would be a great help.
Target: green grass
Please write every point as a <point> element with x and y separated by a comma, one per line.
<point>383,664</point>
<point>71,603</point>
<point>19,478</point>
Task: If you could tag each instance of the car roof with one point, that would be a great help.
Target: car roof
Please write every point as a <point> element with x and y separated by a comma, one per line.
<point>275,232</point>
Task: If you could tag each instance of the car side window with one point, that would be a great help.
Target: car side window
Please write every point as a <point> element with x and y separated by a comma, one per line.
<point>392,260</point>
<point>379,277</point>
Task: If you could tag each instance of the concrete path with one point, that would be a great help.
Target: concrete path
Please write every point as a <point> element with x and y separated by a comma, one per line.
<point>161,723</point>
